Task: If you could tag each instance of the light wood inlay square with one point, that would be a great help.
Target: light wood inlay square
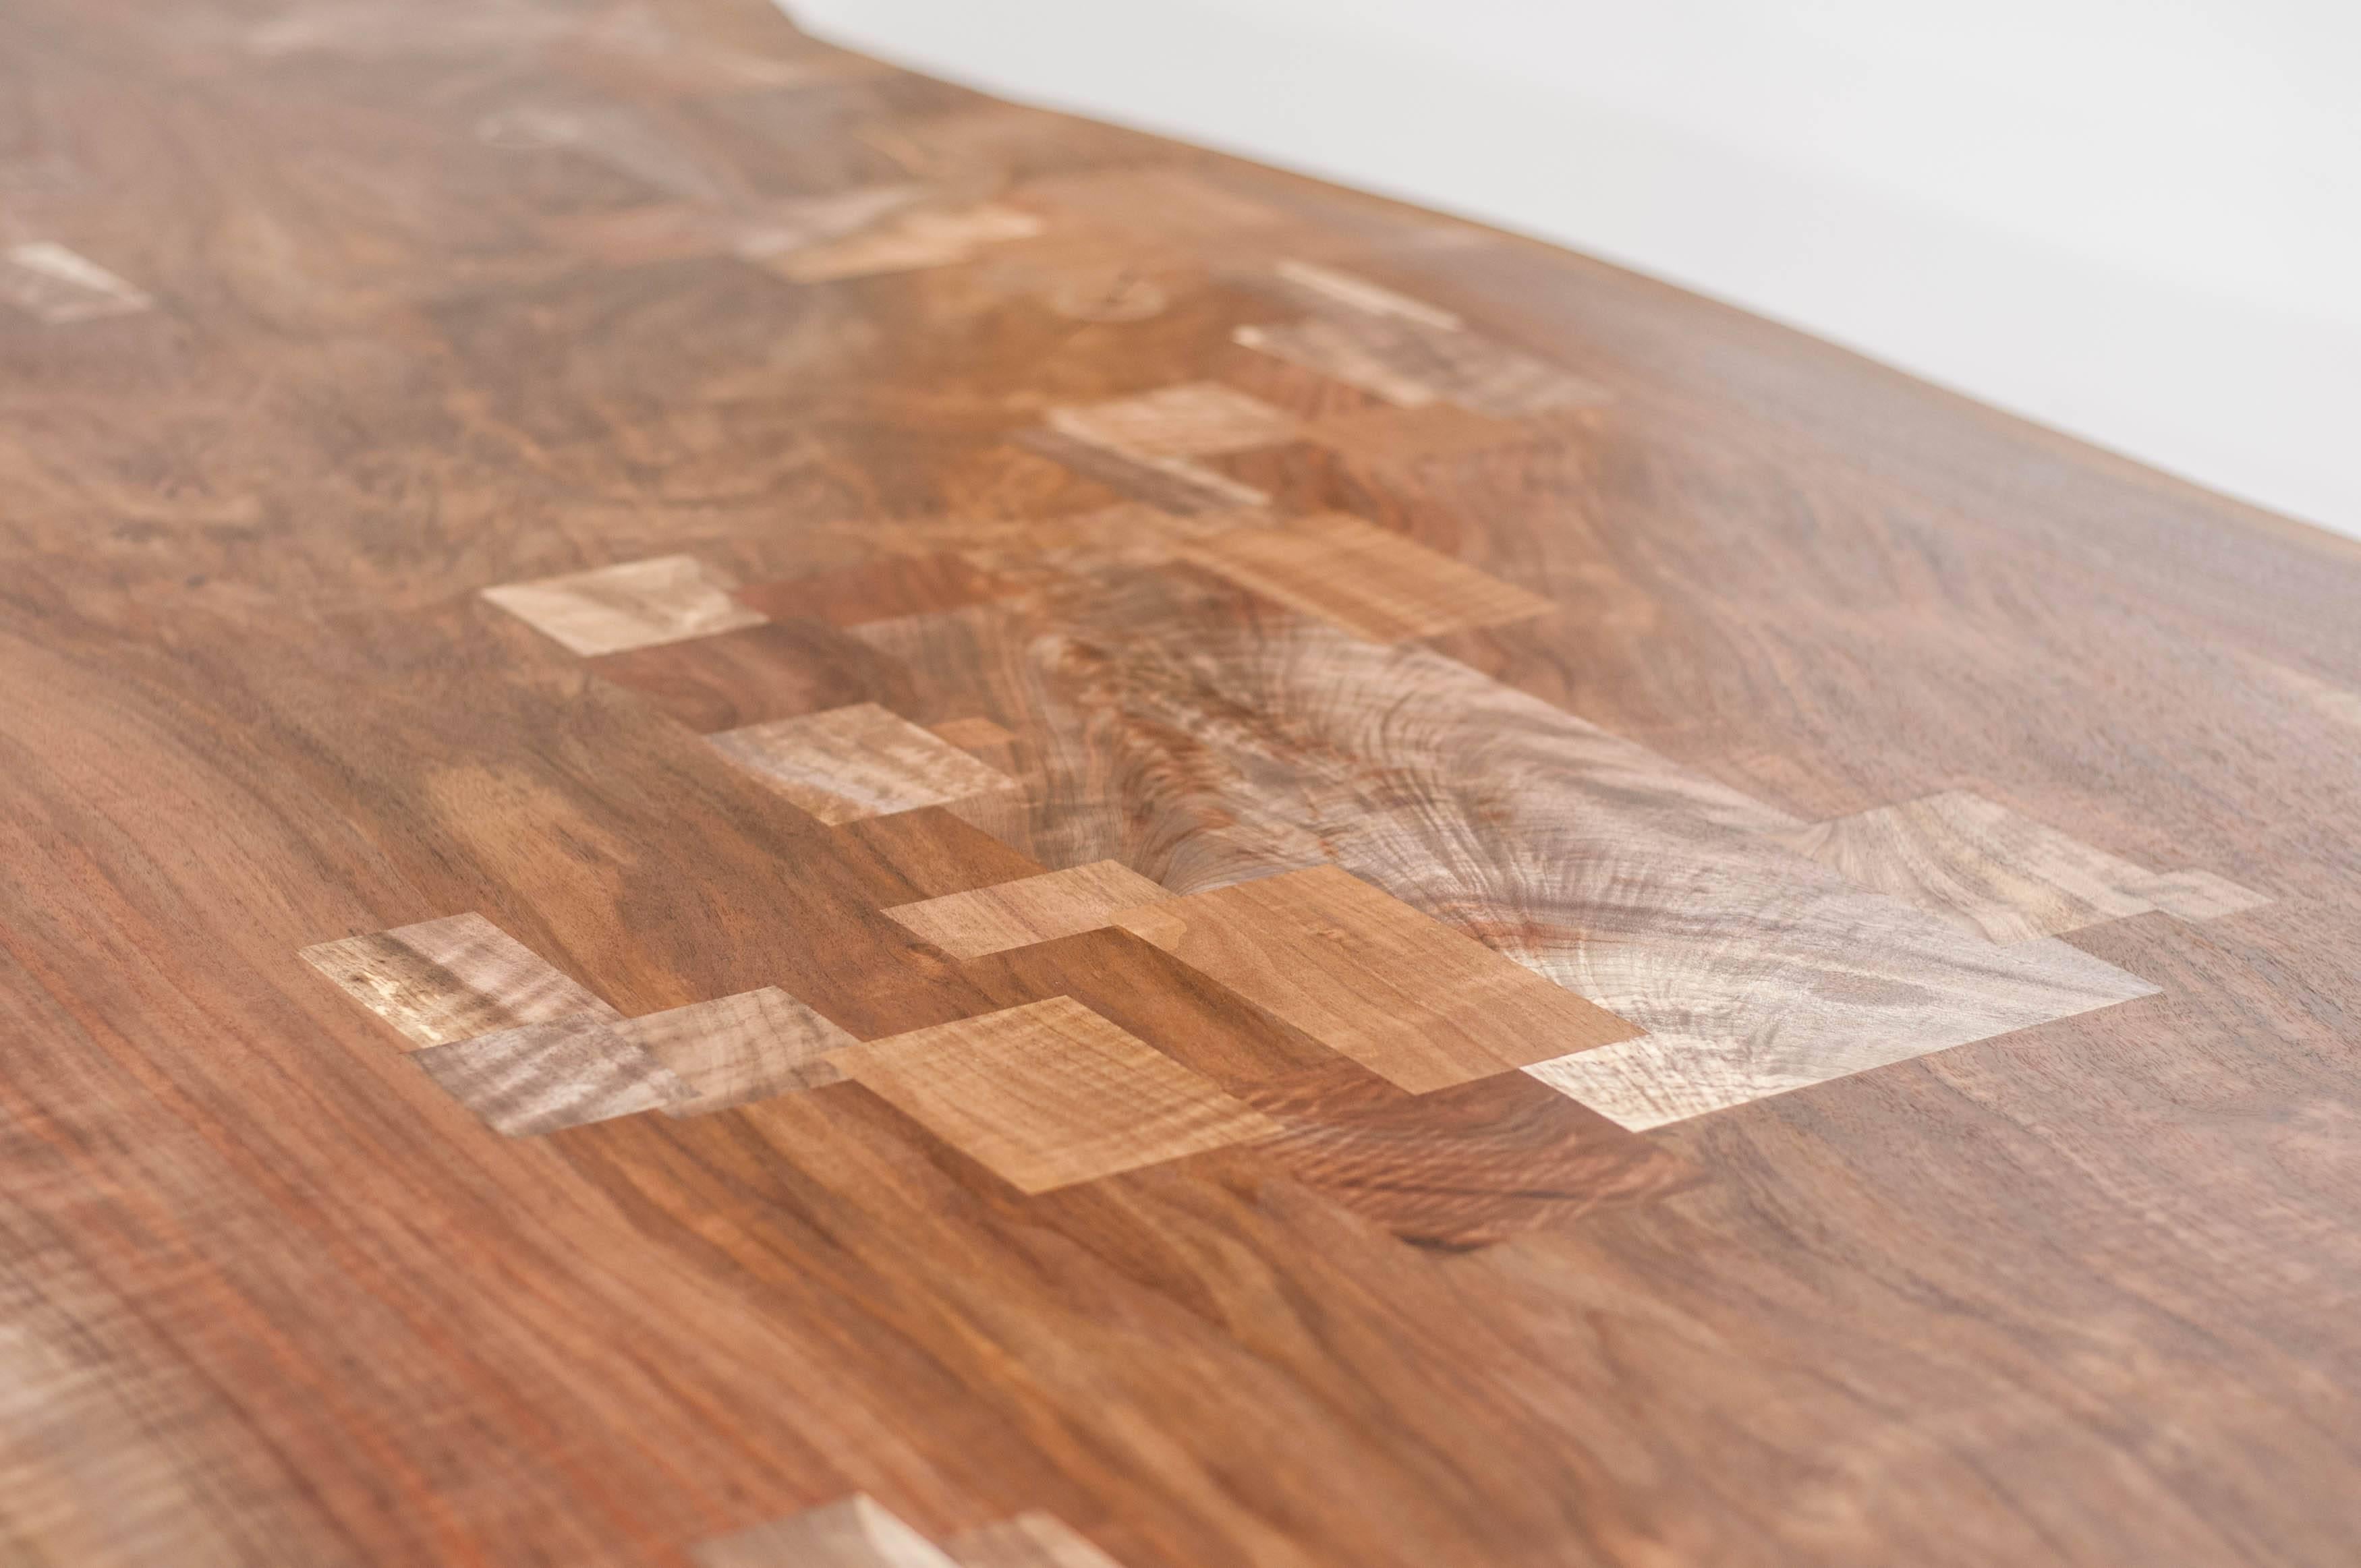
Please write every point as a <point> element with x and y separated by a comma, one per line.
<point>1369,580</point>
<point>1334,285</point>
<point>1196,419</point>
<point>2199,896</point>
<point>62,287</point>
<point>1410,363</point>
<point>1051,1093</point>
<point>441,980</point>
<point>857,762</point>
<point>1979,865</point>
<point>1031,1540</point>
<point>541,1078</point>
<point>737,1049</point>
<point>667,599</point>
<point>1037,909</point>
<point>1373,979</point>
<point>908,244</point>
<point>857,1533</point>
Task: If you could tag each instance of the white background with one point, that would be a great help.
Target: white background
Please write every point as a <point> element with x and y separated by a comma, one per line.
<point>2137,220</point>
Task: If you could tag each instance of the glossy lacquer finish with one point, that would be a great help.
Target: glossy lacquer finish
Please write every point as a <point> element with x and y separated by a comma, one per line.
<point>759,815</point>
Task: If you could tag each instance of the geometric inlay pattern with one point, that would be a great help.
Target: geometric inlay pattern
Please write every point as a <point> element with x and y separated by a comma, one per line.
<point>862,760</point>
<point>635,604</point>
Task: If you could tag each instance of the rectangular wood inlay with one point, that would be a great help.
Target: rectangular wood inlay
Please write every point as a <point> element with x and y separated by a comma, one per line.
<point>1979,864</point>
<point>62,287</point>
<point>634,605</point>
<point>1335,287</point>
<point>1370,978</point>
<point>542,1078</point>
<point>908,244</point>
<point>441,980</point>
<point>1366,579</point>
<point>1051,1093</point>
<point>1410,363</point>
<point>738,1049</point>
<point>1031,1540</point>
<point>857,762</point>
<point>1195,419</point>
<point>857,1533</point>
<point>1038,909</point>
<point>2199,896</point>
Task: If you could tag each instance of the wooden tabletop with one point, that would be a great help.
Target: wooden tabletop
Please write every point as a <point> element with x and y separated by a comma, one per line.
<point>757,814</point>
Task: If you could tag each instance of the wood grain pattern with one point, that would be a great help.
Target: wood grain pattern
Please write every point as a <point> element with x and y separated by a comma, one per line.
<point>1410,364</point>
<point>878,590</point>
<point>850,762</point>
<point>1031,1540</point>
<point>1651,889</point>
<point>1993,870</point>
<point>543,1078</point>
<point>1037,909</point>
<point>857,1533</point>
<point>1333,285</point>
<point>1470,1164</point>
<point>1372,979</point>
<point>737,1049</point>
<point>1195,419</point>
<point>448,979</point>
<point>1958,1253</point>
<point>1050,1094</point>
<point>61,286</point>
<point>1363,577</point>
<point>667,598</point>
<point>915,240</point>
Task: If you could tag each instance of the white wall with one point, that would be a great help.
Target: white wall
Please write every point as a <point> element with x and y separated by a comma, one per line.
<point>2137,220</point>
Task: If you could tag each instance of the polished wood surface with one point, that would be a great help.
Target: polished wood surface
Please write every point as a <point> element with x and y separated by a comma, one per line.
<point>759,814</point>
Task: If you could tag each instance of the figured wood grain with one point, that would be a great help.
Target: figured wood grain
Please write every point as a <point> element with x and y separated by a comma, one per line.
<point>441,980</point>
<point>543,1077</point>
<point>878,590</point>
<point>1032,1539</point>
<point>636,604</point>
<point>1990,869</point>
<point>1372,979</point>
<point>856,762</point>
<point>1333,285</point>
<point>1193,419</point>
<point>62,287</point>
<point>1363,577</point>
<point>911,242</point>
<point>1652,888</point>
<point>2061,1275</point>
<point>857,1533</point>
<point>1467,1165</point>
<point>1410,363</point>
<point>1179,485</point>
<point>736,1049</point>
<point>1013,915</point>
<point>1051,1093</point>
<point>2199,896</point>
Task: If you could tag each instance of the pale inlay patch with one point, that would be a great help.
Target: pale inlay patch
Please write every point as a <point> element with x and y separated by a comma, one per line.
<point>667,599</point>
<point>1031,1540</point>
<point>541,1078</point>
<point>913,241</point>
<point>1034,909</point>
<point>1177,484</point>
<point>1411,364</point>
<point>608,135</point>
<point>2000,875</point>
<point>1329,285</point>
<point>862,760</point>
<point>1051,1094</point>
<point>1372,979</point>
<point>448,980</point>
<point>61,286</point>
<point>1154,203</point>
<point>738,1049</point>
<point>857,1533</point>
<point>1195,419</point>
<point>1366,579</point>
